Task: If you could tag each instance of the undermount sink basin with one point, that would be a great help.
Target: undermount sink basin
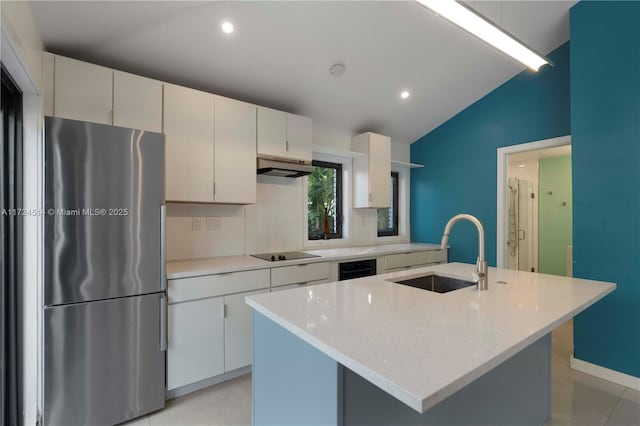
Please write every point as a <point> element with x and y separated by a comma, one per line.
<point>436,283</point>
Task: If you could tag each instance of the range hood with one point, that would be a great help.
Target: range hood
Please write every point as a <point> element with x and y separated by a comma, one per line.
<point>284,167</point>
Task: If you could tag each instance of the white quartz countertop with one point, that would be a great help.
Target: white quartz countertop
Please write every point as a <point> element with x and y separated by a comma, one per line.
<point>421,346</point>
<point>218,265</point>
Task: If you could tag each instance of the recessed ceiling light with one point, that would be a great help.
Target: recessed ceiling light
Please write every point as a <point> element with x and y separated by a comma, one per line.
<point>227,27</point>
<point>521,165</point>
<point>472,22</point>
<point>404,94</point>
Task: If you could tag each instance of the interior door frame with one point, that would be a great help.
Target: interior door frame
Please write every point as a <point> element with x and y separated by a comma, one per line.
<point>14,60</point>
<point>502,224</point>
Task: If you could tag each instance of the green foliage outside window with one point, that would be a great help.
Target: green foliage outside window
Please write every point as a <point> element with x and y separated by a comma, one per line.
<point>324,199</point>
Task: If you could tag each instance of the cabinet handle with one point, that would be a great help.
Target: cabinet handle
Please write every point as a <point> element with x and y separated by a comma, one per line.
<point>224,310</point>
<point>163,248</point>
<point>214,188</point>
<point>369,197</point>
<point>163,324</point>
<point>286,146</point>
<point>305,283</point>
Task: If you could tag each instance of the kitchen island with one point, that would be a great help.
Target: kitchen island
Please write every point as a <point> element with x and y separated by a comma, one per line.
<point>371,351</point>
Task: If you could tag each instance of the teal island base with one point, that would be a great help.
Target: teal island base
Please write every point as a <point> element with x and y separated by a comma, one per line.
<point>296,384</point>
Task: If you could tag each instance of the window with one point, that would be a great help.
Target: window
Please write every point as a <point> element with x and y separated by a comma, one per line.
<point>388,218</point>
<point>324,201</point>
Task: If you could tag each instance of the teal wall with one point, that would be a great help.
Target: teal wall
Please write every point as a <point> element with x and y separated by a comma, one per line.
<point>605,124</point>
<point>460,170</point>
<point>598,103</point>
<point>554,214</point>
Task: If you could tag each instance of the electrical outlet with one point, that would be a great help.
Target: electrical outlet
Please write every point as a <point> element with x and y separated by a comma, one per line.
<point>213,223</point>
<point>196,223</point>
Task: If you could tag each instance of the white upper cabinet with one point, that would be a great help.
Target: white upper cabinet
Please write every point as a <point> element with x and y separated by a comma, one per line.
<point>235,151</point>
<point>272,132</point>
<point>83,91</point>
<point>372,171</point>
<point>284,135</point>
<point>299,137</point>
<point>189,151</point>
<point>137,102</point>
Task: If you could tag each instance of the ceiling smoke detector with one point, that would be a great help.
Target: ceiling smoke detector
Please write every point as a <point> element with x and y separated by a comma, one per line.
<point>337,70</point>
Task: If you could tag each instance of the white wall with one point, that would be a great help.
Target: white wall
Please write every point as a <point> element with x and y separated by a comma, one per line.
<point>21,53</point>
<point>276,222</point>
<point>19,27</point>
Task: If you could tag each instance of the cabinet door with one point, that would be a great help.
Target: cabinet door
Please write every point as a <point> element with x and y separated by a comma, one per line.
<point>235,151</point>
<point>299,137</point>
<point>188,126</point>
<point>137,102</point>
<point>272,132</point>
<point>83,91</point>
<point>195,348</point>
<point>379,171</point>
<point>238,348</point>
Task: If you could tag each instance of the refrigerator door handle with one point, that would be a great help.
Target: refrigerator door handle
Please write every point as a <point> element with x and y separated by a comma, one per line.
<point>163,247</point>
<point>163,324</point>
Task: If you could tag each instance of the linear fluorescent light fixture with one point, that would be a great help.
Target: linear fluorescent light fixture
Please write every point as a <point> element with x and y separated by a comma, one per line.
<point>486,31</point>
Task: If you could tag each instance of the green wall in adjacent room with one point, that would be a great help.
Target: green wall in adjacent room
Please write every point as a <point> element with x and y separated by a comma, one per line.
<point>554,214</point>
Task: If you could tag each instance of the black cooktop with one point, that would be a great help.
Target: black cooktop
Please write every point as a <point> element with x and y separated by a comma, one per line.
<point>287,255</point>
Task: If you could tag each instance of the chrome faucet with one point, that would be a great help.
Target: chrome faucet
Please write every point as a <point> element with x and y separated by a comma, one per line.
<point>481,264</point>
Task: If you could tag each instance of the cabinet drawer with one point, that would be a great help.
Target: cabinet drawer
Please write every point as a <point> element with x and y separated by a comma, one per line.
<point>436,256</point>
<point>299,285</point>
<point>299,273</point>
<point>184,289</point>
<point>407,268</point>
<point>402,260</point>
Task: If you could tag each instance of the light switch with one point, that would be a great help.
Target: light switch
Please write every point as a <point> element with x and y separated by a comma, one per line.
<point>196,223</point>
<point>213,223</point>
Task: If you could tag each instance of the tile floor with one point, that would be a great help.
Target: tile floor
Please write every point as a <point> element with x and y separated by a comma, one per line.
<point>578,399</point>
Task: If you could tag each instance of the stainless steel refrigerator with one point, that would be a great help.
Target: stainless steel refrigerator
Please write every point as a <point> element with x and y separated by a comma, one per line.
<point>104,313</point>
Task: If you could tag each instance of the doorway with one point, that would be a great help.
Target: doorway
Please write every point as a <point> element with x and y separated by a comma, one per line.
<point>11,237</point>
<point>539,212</point>
<point>535,207</point>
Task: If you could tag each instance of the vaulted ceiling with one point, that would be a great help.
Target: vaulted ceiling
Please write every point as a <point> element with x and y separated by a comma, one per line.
<point>280,53</point>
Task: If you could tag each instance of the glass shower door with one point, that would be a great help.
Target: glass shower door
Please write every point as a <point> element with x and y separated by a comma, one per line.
<point>521,217</point>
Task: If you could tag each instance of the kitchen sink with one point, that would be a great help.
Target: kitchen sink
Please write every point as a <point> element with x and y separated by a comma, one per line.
<point>436,283</point>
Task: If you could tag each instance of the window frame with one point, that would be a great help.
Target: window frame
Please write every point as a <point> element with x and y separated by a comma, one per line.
<point>395,191</point>
<point>339,204</point>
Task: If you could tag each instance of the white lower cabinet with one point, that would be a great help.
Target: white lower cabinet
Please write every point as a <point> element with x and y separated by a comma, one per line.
<point>412,260</point>
<point>300,274</point>
<point>238,334</point>
<point>298,285</point>
<point>195,341</point>
<point>209,325</point>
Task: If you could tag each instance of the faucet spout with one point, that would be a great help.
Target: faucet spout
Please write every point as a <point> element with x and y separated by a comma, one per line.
<point>481,263</point>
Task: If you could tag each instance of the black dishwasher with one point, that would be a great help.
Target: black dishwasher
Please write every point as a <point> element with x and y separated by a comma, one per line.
<point>357,269</point>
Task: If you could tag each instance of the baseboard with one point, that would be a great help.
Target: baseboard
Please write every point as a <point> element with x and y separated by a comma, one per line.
<point>181,391</point>
<point>605,373</point>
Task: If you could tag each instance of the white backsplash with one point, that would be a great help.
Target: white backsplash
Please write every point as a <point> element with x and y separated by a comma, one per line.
<point>274,223</point>
<point>184,243</point>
